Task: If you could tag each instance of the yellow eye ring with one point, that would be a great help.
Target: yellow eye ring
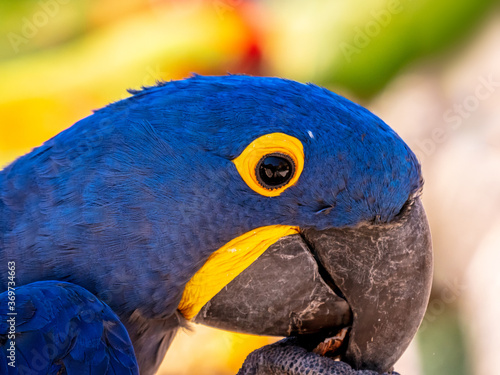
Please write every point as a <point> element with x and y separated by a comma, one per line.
<point>271,147</point>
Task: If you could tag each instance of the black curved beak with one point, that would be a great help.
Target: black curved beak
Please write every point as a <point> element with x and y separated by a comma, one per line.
<point>385,274</point>
<point>375,279</point>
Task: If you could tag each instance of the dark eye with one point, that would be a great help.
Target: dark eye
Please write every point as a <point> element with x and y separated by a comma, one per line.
<point>274,170</point>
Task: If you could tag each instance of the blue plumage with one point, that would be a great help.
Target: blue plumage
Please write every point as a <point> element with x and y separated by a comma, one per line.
<point>63,328</point>
<point>129,202</point>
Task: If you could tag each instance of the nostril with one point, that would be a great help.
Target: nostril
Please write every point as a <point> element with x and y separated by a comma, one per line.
<point>325,209</point>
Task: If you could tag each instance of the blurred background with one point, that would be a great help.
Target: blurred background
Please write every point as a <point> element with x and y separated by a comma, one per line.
<point>429,68</point>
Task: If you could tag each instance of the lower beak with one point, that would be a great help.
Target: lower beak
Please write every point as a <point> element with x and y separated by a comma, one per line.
<point>374,278</point>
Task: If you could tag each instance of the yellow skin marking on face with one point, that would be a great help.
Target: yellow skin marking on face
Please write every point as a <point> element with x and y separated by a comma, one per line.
<point>227,263</point>
<point>268,144</point>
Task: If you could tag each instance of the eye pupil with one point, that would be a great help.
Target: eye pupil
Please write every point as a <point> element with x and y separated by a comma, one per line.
<point>275,170</point>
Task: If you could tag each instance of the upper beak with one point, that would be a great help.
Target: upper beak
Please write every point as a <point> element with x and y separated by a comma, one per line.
<point>374,278</point>
<point>385,274</point>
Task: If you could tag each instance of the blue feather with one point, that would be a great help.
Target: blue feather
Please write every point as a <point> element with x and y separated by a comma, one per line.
<point>62,328</point>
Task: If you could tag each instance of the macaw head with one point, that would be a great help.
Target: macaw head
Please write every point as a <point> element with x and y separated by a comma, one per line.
<point>259,205</point>
<point>307,207</point>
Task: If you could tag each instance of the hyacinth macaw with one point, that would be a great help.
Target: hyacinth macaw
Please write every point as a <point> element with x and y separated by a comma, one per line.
<point>251,204</point>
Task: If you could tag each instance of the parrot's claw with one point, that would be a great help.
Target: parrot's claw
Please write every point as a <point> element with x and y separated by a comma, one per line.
<point>287,357</point>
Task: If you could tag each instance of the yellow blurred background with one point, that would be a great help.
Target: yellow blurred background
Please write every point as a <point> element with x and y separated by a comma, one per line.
<point>429,68</point>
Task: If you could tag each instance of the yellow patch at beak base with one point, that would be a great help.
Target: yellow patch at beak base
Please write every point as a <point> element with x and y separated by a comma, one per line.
<point>227,263</point>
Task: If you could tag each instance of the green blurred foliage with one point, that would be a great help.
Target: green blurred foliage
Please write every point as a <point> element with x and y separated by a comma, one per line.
<point>28,26</point>
<point>391,37</point>
<point>361,45</point>
<point>442,344</point>
<point>358,45</point>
